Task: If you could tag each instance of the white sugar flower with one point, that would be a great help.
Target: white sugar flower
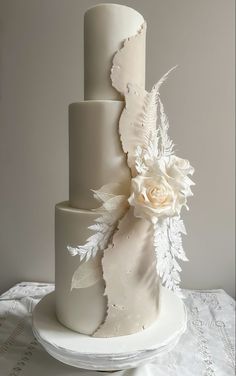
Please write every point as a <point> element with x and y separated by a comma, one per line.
<point>162,191</point>
<point>176,171</point>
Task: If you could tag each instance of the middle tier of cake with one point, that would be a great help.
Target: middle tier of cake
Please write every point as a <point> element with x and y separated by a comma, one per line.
<point>96,157</point>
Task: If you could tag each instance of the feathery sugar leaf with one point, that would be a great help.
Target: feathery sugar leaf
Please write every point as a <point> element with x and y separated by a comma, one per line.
<point>112,209</point>
<point>157,86</point>
<point>168,248</point>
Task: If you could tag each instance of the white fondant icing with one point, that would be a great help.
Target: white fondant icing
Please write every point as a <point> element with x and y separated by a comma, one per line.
<point>106,26</point>
<point>96,157</point>
<point>129,271</point>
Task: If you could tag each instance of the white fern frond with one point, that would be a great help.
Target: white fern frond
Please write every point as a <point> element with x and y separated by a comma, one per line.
<point>157,86</point>
<point>112,209</point>
<point>140,165</point>
<point>168,248</point>
<point>72,250</point>
<point>152,150</point>
<point>98,227</point>
<point>149,114</point>
<point>145,157</point>
<point>152,127</point>
<point>166,144</point>
<point>151,103</point>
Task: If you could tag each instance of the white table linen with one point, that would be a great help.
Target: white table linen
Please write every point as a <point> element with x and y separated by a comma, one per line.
<point>207,348</point>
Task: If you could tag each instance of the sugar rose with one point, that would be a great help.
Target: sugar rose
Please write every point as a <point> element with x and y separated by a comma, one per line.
<point>152,197</point>
<point>163,190</point>
<point>177,170</point>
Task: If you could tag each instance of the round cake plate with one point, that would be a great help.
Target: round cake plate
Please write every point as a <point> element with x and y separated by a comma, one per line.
<point>110,354</point>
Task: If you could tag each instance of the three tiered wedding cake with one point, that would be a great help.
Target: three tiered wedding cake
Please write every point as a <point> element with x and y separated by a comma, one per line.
<point>118,237</point>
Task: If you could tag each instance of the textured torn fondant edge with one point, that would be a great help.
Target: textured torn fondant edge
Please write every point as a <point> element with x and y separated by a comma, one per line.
<point>105,294</point>
<point>128,40</point>
<point>142,29</point>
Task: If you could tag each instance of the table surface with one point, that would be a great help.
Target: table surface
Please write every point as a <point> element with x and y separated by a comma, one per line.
<point>206,349</point>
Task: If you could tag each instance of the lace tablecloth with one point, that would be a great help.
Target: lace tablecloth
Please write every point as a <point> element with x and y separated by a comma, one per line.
<point>206,349</point>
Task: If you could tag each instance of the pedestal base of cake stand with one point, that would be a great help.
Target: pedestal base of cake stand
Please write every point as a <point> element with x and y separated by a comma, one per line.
<point>110,354</point>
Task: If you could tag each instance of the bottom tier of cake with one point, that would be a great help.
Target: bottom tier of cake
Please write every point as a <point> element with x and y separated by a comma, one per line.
<point>82,288</point>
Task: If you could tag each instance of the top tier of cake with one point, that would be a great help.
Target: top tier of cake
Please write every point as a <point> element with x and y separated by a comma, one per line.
<point>106,26</point>
<point>96,156</point>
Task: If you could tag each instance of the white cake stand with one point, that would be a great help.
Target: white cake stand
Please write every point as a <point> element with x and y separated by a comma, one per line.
<point>110,354</point>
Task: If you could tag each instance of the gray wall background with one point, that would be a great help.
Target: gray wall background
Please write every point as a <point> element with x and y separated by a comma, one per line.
<point>41,72</point>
